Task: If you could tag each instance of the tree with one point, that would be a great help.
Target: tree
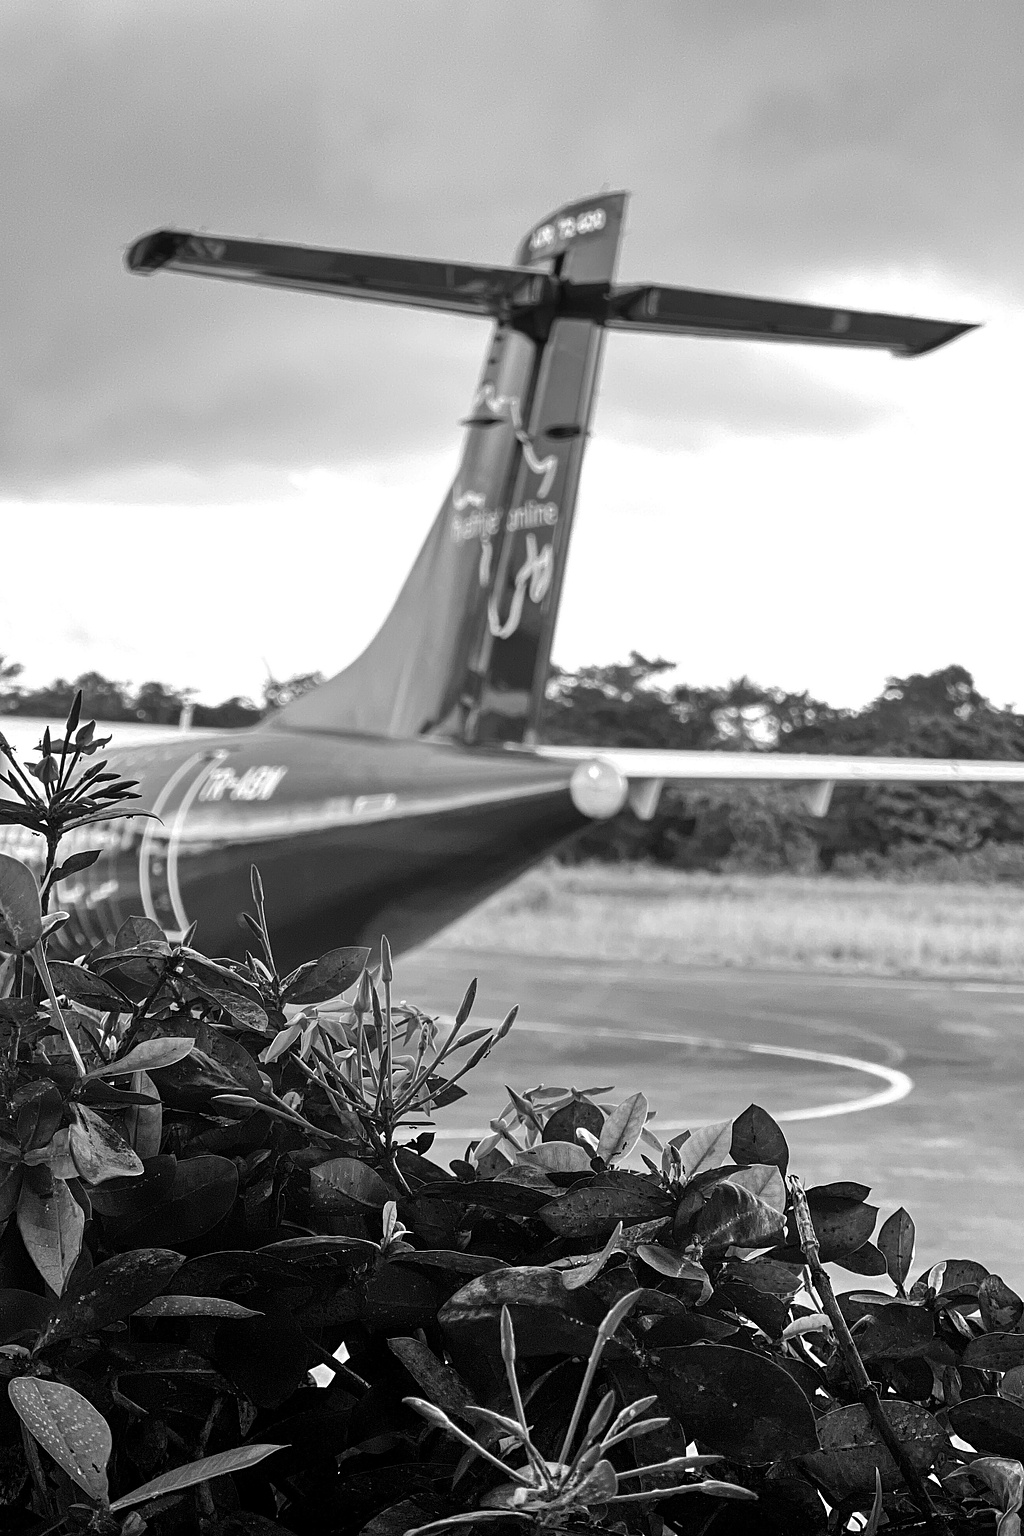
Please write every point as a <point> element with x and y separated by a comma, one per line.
<point>10,690</point>
<point>941,714</point>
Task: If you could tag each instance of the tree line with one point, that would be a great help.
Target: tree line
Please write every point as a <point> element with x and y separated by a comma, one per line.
<point>883,827</point>
<point>723,827</point>
<point>151,703</point>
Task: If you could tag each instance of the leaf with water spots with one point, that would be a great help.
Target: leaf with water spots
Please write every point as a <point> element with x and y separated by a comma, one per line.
<point>68,1428</point>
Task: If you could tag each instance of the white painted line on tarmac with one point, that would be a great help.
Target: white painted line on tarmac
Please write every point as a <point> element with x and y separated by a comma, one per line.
<point>898,1084</point>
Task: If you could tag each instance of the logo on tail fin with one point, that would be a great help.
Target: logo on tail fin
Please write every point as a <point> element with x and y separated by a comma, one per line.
<point>533,578</point>
<point>488,399</point>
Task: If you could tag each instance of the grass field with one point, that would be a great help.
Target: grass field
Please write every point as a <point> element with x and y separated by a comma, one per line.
<point>773,921</point>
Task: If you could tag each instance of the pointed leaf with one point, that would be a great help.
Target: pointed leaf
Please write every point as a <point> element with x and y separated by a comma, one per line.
<point>735,1402</point>
<point>203,1471</point>
<point>756,1138</point>
<point>113,1290</point>
<point>195,1306</point>
<point>555,1157</point>
<point>349,1177</point>
<point>896,1242</point>
<point>148,1056</point>
<point>732,1216</point>
<point>99,1151</point>
<point>582,1274</point>
<point>621,1131</point>
<point>852,1448</point>
<point>143,1123</point>
<point>82,986</point>
<point>444,1386</point>
<point>51,1228</point>
<point>319,980</point>
<point>68,1428</point>
<point>21,917</point>
<point>763,1180</point>
<point>1004,1480</point>
<point>1001,1308</point>
<point>76,863</point>
<point>707,1147</point>
<point>140,933</point>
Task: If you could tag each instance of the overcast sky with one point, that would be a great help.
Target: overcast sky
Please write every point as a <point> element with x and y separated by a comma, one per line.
<point>199,479</point>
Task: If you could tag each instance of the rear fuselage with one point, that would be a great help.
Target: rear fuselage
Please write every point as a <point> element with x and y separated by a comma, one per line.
<point>353,835</point>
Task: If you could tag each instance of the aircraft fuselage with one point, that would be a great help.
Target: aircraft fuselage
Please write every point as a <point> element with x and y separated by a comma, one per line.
<point>353,835</point>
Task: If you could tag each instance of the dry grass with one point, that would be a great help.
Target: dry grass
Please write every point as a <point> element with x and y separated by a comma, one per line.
<point>620,912</point>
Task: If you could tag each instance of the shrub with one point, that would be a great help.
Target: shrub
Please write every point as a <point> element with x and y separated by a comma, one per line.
<point>216,1181</point>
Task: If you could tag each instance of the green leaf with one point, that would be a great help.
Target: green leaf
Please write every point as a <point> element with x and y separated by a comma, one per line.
<point>594,1210</point>
<point>442,1385</point>
<point>83,987</point>
<point>202,1471</point>
<point>143,1123</point>
<point>621,1131</point>
<point>113,1290</point>
<point>995,1352</point>
<point>732,1216</point>
<point>21,917</point>
<point>1004,1479</point>
<point>993,1425</point>
<point>319,980</point>
<point>140,933</point>
<point>582,1274</point>
<point>707,1147</point>
<point>1001,1308</point>
<point>556,1157</point>
<point>865,1260</point>
<point>756,1138</point>
<point>51,1228</point>
<point>68,1428</point>
<point>735,1402</point>
<point>852,1448</point>
<point>896,1242</point>
<point>99,1151</point>
<point>202,1194</point>
<point>195,1306</point>
<point>763,1180</point>
<point>842,1225</point>
<point>666,1261</point>
<point>147,1056</point>
<point>76,863</point>
<point>351,1178</point>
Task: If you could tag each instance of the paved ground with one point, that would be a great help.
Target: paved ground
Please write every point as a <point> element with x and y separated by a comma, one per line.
<point>940,1065</point>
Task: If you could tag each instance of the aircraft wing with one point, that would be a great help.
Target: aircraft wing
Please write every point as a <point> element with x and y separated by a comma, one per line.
<point>445,285</point>
<point>647,770</point>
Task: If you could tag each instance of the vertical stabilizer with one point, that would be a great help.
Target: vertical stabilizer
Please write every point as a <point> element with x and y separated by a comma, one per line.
<point>464,652</point>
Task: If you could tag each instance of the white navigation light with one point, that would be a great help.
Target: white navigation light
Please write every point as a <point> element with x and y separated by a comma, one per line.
<point>598,790</point>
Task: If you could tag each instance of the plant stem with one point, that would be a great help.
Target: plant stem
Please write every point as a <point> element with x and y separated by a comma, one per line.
<point>866,1390</point>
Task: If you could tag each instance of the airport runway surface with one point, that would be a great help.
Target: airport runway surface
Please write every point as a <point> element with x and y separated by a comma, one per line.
<point>912,1087</point>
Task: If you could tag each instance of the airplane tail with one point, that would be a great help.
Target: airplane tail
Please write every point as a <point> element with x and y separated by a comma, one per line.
<point>464,652</point>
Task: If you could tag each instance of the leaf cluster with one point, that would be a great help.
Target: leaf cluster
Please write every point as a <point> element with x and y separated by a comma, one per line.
<point>240,1292</point>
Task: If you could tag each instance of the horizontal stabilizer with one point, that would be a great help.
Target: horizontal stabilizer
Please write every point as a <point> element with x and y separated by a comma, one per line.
<point>444,285</point>
<point>508,293</point>
<point>694,312</point>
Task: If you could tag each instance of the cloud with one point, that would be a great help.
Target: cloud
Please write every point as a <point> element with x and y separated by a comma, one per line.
<point>767,148</point>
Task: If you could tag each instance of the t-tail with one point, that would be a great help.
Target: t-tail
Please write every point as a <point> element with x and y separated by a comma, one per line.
<point>465,651</point>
